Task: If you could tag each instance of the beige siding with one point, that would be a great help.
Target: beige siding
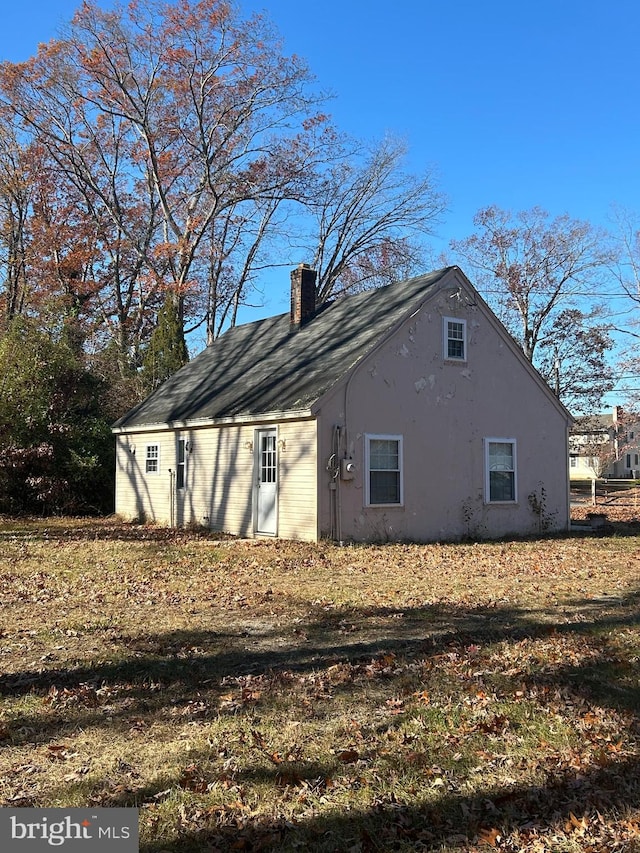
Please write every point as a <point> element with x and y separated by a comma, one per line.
<point>139,494</point>
<point>445,410</point>
<point>219,481</point>
<point>298,492</point>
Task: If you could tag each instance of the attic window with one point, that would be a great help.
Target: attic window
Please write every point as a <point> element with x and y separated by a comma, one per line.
<point>455,339</point>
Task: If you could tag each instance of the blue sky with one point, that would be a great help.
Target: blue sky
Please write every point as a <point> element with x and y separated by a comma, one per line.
<point>514,104</point>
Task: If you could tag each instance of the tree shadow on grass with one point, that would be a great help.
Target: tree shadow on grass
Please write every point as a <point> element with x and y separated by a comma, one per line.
<point>195,659</point>
<point>577,804</point>
<point>390,649</point>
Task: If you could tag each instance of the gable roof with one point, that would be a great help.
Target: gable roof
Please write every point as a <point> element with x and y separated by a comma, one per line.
<point>584,424</point>
<point>265,367</point>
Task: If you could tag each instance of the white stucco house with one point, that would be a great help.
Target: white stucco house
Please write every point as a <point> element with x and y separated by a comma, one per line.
<point>402,413</point>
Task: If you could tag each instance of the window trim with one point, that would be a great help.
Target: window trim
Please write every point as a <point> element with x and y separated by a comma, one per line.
<point>368,437</point>
<point>149,458</point>
<point>446,339</point>
<point>487,478</point>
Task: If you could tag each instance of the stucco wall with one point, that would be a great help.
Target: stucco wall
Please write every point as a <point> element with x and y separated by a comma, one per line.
<point>219,478</point>
<point>444,410</point>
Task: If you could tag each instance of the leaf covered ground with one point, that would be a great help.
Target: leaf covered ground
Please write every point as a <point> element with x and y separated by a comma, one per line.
<point>281,697</point>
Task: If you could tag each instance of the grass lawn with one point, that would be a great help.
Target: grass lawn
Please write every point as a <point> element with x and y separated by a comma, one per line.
<point>277,696</point>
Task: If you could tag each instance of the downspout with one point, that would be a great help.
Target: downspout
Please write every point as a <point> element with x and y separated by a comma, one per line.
<point>172,491</point>
<point>566,456</point>
<point>338,478</point>
<point>333,469</point>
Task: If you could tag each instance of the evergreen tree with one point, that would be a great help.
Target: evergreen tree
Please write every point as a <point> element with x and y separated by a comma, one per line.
<point>167,350</point>
<point>57,448</point>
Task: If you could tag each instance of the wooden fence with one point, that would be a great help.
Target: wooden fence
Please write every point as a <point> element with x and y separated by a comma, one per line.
<point>605,492</point>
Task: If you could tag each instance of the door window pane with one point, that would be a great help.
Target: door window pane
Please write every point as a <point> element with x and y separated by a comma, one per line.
<point>268,459</point>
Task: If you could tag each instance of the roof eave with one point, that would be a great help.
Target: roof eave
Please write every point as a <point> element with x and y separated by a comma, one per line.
<point>232,420</point>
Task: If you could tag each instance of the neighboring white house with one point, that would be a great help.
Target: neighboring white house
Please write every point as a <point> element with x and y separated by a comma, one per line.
<point>402,413</point>
<point>605,445</point>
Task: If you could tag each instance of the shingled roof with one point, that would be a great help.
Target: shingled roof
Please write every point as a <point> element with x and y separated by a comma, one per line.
<point>266,367</point>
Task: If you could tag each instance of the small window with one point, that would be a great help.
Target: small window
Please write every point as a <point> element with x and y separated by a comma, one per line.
<point>152,459</point>
<point>268,458</point>
<point>181,463</point>
<point>500,470</point>
<point>455,339</point>
<point>628,460</point>
<point>573,461</point>
<point>383,465</point>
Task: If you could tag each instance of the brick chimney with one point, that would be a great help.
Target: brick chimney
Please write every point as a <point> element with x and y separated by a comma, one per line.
<point>303,295</point>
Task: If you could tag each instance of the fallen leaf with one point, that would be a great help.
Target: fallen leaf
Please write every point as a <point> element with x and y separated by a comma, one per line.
<point>348,756</point>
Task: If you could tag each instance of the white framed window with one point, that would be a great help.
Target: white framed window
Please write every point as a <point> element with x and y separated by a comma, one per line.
<point>455,339</point>
<point>573,461</point>
<point>152,459</point>
<point>500,470</point>
<point>181,463</point>
<point>383,467</point>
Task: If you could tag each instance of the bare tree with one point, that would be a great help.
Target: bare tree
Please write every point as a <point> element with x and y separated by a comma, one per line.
<point>627,268</point>
<point>530,266</point>
<point>163,117</point>
<point>533,270</point>
<point>370,217</point>
<point>15,208</point>
<point>573,358</point>
<point>626,271</point>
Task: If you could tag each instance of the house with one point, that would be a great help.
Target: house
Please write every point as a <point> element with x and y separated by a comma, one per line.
<point>605,445</point>
<point>403,413</point>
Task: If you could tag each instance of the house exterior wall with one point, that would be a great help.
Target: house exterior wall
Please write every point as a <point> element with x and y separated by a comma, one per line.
<point>444,410</point>
<point>585,467</point>
<point>219,478</point>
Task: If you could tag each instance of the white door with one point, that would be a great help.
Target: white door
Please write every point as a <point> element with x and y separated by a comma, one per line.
<point>266,483</point>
